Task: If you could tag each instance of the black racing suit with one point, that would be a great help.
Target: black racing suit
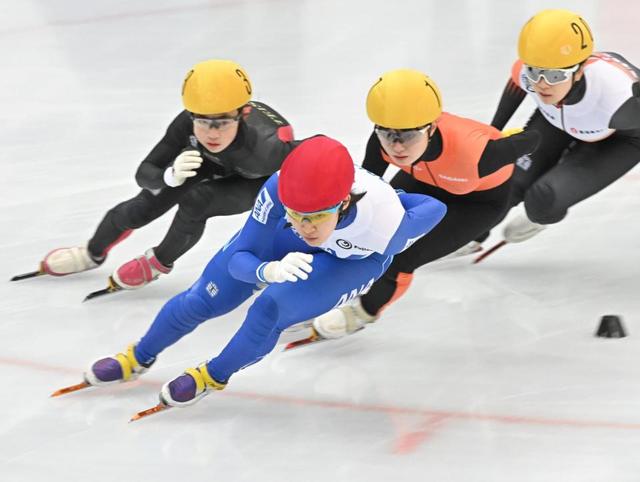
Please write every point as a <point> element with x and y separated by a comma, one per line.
<point>565,170</point>
<point>226,183</point>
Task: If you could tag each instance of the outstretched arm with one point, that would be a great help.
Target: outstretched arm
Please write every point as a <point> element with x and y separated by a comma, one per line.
<point>512,97</point>
<point>501,152</point>
<point>422,214</point>
<point>253,245</point>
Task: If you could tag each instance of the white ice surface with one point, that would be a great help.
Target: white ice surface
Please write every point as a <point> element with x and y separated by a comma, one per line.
<point>481,373</point>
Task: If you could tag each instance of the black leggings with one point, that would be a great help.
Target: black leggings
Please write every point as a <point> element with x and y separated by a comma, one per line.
<point>197,201</point>
<point>563,171</point>
<point>467,217</point>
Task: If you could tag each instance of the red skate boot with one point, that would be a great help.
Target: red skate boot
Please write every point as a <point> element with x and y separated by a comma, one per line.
<point>140,271</point>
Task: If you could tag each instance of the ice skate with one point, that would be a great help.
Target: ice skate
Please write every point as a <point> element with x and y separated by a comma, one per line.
<point>520,229</point>
<point>343,321</point>
<point>469,248</point>
<point>517,230</point>
<point>122,367</point>
<point>64,261</point>
<point>335,324</point>
<point>133,274</point>
<point>489,251</point>
<point>140,271</point>
<point>149,411</point>
<point>188,388</point>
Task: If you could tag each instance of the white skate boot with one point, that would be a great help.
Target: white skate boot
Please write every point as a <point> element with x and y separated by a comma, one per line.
<point>64,261</point>
<point>521,228</point>
<point>342,321</point>
<point>469,248</point>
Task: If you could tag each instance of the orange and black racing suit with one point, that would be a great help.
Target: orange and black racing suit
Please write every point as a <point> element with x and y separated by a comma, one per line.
<point>468,166</point>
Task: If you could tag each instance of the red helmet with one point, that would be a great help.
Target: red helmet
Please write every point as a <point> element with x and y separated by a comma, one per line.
<point>316,175</point>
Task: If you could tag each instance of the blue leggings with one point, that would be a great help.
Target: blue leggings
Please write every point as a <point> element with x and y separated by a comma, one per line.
<point>332,282</point>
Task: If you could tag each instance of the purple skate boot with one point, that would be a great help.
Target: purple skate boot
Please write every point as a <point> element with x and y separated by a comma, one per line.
<point>123,367</point>
<point>189,387</point>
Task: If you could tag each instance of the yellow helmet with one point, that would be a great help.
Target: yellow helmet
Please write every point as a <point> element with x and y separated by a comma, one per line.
<point>555,39</point>
<point>215,87</point>
<point>404,99</point>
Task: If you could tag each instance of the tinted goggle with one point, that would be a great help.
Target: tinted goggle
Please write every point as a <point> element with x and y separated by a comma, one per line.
<point>551,76</point>
<point>403,136</point>
<point>315,217</point>
<point>220,123</point>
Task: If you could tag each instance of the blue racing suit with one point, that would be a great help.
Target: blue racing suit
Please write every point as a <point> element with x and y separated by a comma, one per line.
<point>340,272</point>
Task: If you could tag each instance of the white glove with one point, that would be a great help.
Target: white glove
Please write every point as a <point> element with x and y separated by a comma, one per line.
<point>292,267</point>
<point>184,166</point>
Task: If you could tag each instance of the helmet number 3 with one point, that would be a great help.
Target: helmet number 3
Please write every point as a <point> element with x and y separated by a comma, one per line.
<point>247,85</point>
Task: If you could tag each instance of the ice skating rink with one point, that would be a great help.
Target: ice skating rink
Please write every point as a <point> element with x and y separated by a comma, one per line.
<point>486,373</point>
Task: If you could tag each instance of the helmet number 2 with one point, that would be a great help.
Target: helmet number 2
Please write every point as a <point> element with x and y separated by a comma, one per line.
<point>578,30</point>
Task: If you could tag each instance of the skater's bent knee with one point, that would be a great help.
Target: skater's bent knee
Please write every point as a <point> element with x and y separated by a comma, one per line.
<point>132,215</point>
<point>189,309</point>
<point>262,317</point>
<point>542,205</point>
<point>196,204</point>
<point>266,306</point>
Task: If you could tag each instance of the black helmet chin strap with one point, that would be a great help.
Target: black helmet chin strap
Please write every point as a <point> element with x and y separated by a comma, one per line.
<point>577,90</point>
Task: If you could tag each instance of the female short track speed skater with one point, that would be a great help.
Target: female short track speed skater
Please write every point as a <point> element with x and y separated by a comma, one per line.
<point>588,117</point>
<point>212,161</point>
<point>463,163</point>
<point>320,231</point>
